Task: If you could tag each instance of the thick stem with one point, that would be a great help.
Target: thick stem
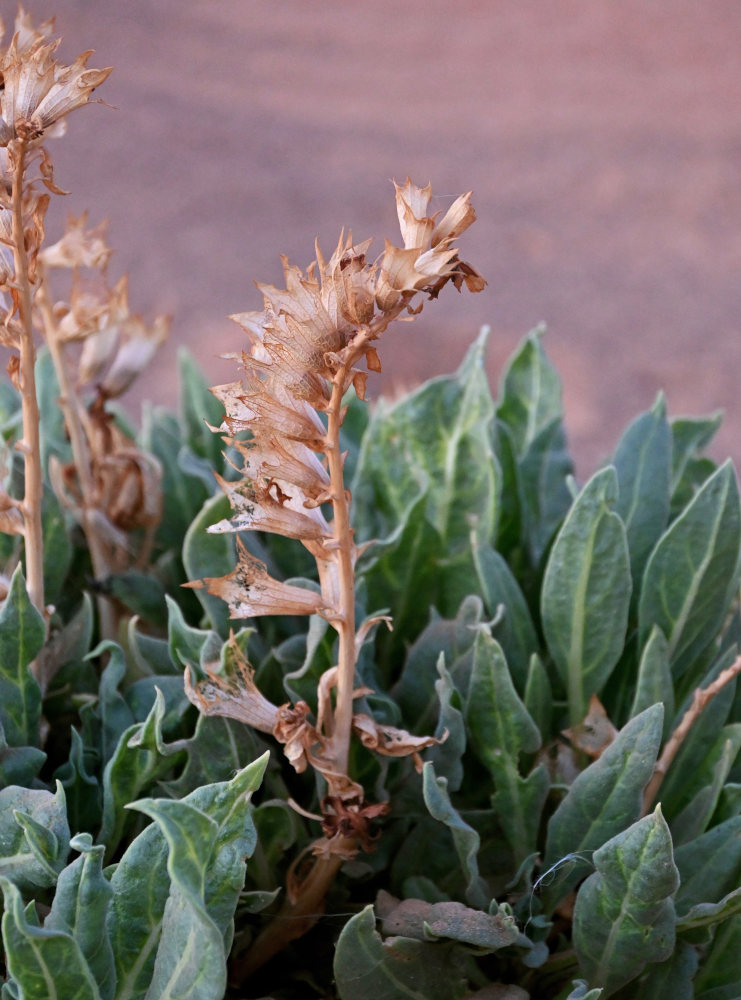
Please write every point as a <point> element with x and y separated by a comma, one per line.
<point>30,446</point>
<point>293,920</point>
<point>74,421</point>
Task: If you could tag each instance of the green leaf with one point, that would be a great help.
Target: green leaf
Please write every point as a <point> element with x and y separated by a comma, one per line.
<point>586,593</point>
<point>654,679</point>
<point>709,866</point>
<point>538,697</point>
<point>81,788</point>
<point>18,765</point>
<point>53,433</point>
<point>465,838</point>
<point>602,800</point>
<point>143,921</point>
<point>210,555</point>
<point>686,586</point>
<point>454,638</point>
<point>402,571</point>
<point>624,916</point>
<point>199,407</point>
<point>530,392</point>
<point>447,758</point>
<point>22,633</point>
<point>141,593</point>
<point>500,729</point>
<point>710,914</point>
<point>34,836</point>
<point>696,815</point>
<point>437,440</point>
<point>190,959</point>
<point>643,464</point>
<point>190,647</point>
<point>183,495</point>
<point>44,963</point>
<point>114,714</point>
<point>80,909</point>
<point>140,758</point>
<point>502,595</point>
<point>217,749</point>
<point>57,546</point>
<point>367,968</point>
<point>544,470</point>
<point>672,978</point>
<point>720,972</point>
<point>690,435</point>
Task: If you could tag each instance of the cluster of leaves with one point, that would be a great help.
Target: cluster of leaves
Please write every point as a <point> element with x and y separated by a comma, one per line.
<point>557,635</point>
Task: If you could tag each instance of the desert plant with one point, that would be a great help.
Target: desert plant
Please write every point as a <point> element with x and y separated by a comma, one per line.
<point>562,667</point>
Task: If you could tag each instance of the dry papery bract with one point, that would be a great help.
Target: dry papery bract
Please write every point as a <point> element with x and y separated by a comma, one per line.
<point>307,348</point>
<point>97,346</point>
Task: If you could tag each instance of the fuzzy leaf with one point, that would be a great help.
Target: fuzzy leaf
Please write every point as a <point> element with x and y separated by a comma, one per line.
<point>139,759</point>
<point>624,916</point>
<point>719,975</point>
<point>142,885</point>
<point>436,440</point>
<point>80,909</point>
<point>689,575</point>
<point>672,978</point>
<point>454,639</point>
<point>43,963</point>
<point>603,799</point>
<point>57,546</point>
<point>210,554</point>
<point>465,838</point>
<point>586,593</point>
<point>654,679</point>
<point>502,595</point>
<point>367,968</point>
<point>690,435</point>
<point>402,571</point>
<point>709,866</point>
<point>538,698</point>
<point>34,836</point>
<point>643,465</point>
<point>199,407</point>
<point>81,788</point>
<point>530,393</point>
<point>500,730</point>
<point>190,959</point>
<point>22,633</point>
<point>18,765</point>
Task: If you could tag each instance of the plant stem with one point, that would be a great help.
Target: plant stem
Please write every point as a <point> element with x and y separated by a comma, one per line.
<point>30,446</point>
<point>294,919</point>
<point>74,421</point>
<point>345,622</point>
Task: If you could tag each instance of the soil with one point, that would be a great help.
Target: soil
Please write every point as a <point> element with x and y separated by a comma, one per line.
<point>602,141</point>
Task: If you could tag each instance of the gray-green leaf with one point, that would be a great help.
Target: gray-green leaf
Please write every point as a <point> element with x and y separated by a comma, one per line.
<point>586,593</point>
<point>624,915</point>
<point>686,586</point>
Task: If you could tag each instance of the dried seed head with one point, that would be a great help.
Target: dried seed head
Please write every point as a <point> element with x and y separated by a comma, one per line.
<point>38,91</point>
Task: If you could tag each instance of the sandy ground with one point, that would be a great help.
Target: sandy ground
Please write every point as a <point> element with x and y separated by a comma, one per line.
<point>602,141</point>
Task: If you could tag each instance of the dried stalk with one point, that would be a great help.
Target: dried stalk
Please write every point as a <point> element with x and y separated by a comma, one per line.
<point>30,445</point>
<point>74,419</point>
<point>305,346</point>
<point>700,699</point>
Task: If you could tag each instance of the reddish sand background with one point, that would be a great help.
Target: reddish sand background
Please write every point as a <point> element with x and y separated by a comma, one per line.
<point>602,141</point>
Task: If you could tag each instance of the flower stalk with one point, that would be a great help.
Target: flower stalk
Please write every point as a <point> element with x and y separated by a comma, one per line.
<point>307,344</point>
<point>30,445</point>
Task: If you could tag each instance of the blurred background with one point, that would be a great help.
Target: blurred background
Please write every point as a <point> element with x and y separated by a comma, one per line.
<point>602,141</point>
